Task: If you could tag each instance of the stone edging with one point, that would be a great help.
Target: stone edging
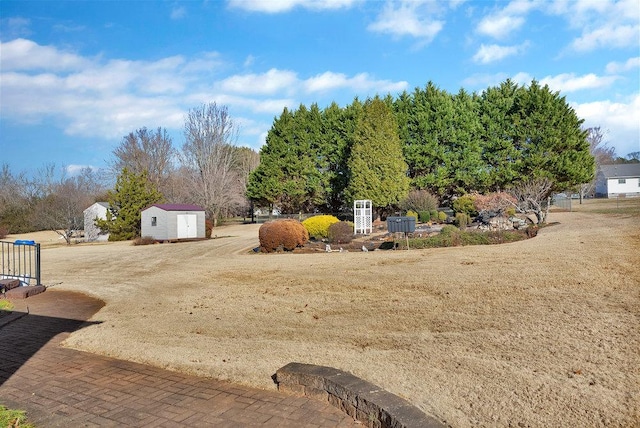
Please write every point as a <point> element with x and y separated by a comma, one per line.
<point>362,400</point>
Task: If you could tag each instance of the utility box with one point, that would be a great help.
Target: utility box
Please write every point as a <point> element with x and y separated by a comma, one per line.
<point>401,224</point>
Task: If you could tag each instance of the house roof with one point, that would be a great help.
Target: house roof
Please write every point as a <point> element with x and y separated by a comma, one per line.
<point>177,207</point>
<point>625,170</point>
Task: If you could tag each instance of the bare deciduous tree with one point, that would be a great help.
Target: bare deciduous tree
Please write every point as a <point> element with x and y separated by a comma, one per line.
<point>60,207</point>
<point>532,197</point>
<point>209,156</point>
<point>144,150</point>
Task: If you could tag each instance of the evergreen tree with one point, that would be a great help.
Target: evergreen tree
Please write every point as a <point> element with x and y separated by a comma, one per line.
<point>377,168</point>
<point>132,194</point>
<point>550,138</point>
<point>288,175</point>
<point>499,154</point>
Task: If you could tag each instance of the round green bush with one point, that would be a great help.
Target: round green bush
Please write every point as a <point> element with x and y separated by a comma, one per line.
<point>282,234</point>
<point>424,216</point>
<point>318,226</point>
<point>413,214</point>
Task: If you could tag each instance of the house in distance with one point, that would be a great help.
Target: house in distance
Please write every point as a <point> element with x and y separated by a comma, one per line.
<point>92,232</point>
<point>165,222</point>
<point>621,180</point>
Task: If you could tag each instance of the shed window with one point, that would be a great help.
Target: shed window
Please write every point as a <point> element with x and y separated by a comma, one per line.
<point>622,180</point>
<point>154,221</point>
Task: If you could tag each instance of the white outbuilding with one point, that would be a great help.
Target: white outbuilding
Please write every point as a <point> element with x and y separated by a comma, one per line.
<point>621,180</point>
<point>165,222</point>
<point>91,231</point>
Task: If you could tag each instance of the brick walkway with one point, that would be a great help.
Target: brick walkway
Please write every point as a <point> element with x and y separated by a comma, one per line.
<point>60,387</point>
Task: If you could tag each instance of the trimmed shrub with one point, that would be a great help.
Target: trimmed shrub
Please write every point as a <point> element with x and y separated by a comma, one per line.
<point>413,214</point>
<point>341,232</point>
<point>318,225</point>
<point>282,234</point>
<point>442,216</point>
<point>424,216</point>
<point>434,215</point>
<point>144,240</point>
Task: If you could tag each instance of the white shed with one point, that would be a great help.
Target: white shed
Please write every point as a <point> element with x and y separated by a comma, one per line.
<point>173,221</point>
<point>618,180</point>
<point>91,231</point>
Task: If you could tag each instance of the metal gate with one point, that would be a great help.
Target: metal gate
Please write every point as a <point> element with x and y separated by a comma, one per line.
<point>20,260</point>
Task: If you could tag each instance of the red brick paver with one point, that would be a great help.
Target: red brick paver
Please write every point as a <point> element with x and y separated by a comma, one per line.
<point>61,387</point>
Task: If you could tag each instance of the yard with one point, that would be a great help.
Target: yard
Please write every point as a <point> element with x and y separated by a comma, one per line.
<point>541,332</point>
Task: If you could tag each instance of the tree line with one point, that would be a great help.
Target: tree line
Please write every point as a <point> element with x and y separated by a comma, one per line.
<point>429,139</point>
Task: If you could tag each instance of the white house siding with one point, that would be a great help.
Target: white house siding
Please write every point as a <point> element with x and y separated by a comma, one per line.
<point>618,180</point>
<point>91,231</point>
<point>630,187</point>
<point>161,229</point>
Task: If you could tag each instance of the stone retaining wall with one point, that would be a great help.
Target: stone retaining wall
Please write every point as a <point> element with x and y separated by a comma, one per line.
<point>362,400</point>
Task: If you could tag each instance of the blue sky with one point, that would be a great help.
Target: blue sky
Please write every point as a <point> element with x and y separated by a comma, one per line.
<point>77,76</point>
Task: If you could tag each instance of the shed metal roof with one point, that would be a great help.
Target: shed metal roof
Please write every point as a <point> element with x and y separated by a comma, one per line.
<point>177,207</point>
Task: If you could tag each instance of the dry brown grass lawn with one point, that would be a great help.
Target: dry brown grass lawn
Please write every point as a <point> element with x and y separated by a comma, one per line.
<point>543,332</point>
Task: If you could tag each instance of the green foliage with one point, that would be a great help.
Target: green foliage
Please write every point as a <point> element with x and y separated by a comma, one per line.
<point>5,305</point>
<point>462,220</point>
<point>424,216</point>
<point>318,226</point>
<point>464,204</point>
<point>132,194</point>
<point>341,232</point>
<point>376,165</point>
<point>434,215</point>
<point>13,418</point>
<point>282,235</point>
<point>451,236</point>
<point>413,214</point>
<point>442,217</point>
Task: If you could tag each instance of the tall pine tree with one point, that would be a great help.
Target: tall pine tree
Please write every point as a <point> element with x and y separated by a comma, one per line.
<point>377,168</point>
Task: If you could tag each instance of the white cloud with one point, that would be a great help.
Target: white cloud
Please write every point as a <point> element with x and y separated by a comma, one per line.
<point>280,6</point>
<point>406,20</point>
<point>511,18</point>
<point>22,54</point>
<point>569,82</point>
<point>617,67</point>
<point>329,81</point>
<point>267,83</point>
<point>608,36</point>
<point>602,23</point>
<point>499,26</point>
<point>620,119</point>
<point>491,53</point>
<point>107,98</point>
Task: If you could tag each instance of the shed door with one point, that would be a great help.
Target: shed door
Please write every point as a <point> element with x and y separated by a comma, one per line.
<point>187,226</point>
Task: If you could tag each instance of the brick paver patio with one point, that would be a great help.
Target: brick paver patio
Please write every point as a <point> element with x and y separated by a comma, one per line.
<point>61,387</point>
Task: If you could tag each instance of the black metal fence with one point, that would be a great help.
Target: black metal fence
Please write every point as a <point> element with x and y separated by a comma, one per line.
<point>20,260</point>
